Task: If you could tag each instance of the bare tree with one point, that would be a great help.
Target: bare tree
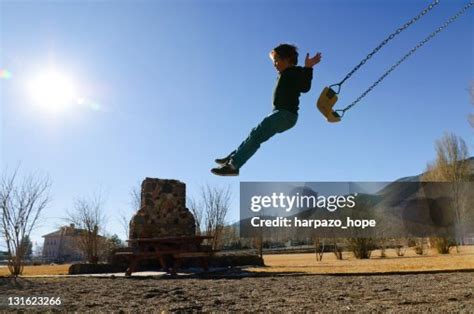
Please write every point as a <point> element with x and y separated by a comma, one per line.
<point>20,209</point>
<point>318,248</point>
<point>401,245</point>
<point>135,203</point>
<point>135,196</point>
<point>88,217</point>
<point>37,251</point>
<point>471,93</point>
<point>421,246</point>
<point>451,165</point>
<point>197,211</point>
<point>229,237</point>
<point>108,245</point>
<point>258,244</point>
<point>337,249</point>
<point>216,204</point>
<point>124,220</point>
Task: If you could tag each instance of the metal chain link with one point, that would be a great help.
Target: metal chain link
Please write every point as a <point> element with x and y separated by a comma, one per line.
<point>390,37</point>
<point>421,43</point>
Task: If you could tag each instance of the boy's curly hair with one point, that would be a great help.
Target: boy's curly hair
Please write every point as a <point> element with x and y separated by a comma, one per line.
<point>286,51</point>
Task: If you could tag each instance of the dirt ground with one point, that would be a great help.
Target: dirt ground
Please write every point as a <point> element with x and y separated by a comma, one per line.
<point>441,292</point>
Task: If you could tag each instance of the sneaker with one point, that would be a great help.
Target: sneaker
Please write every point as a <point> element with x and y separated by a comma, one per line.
<point>226,170</point>
<point>222,161</point>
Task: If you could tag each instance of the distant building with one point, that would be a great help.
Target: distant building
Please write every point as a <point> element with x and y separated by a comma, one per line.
<point>63,245</point>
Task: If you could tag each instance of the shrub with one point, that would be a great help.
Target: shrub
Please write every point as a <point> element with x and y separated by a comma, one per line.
<point>400,250</point>
<point>361,247</point>
<point>443,244</point>
<point>420,246</point>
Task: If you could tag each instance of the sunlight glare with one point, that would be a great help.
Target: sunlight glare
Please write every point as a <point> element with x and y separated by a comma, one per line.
<point>52,90</point>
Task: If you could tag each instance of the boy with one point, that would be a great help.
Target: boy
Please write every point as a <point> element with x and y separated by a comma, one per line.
<point>292,81</point>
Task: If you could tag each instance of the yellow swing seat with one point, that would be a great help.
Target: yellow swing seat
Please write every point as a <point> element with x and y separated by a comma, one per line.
<point>326,102</point>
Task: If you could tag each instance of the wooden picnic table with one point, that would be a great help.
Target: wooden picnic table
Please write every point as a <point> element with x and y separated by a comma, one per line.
<point>169,251</point>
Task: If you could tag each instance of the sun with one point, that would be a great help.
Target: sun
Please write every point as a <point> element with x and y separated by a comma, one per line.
<point>52,90</point>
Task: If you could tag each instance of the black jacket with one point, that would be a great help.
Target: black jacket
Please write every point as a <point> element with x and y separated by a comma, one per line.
<point>290,84</point>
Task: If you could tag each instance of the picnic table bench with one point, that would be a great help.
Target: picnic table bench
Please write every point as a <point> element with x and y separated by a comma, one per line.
<point>169,251</point>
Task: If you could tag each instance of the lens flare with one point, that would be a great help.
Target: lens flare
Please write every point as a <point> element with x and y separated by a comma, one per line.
<point>5,74</point>
<point>95,106</point>
<point>80,101</point>
<point>89,104</point>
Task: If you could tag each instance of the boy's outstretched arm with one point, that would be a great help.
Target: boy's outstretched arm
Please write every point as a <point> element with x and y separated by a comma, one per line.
<point>310,62</point>
<point>307,74</point>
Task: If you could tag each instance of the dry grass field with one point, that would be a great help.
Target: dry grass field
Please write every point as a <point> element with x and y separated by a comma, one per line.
<point>411,262</point>
<point>306,263</point>
<point>40,270</point>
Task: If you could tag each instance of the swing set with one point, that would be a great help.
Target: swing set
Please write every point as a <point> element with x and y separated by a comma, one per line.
<point>329,95</point>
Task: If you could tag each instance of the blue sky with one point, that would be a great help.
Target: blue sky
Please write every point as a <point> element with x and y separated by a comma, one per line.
<point>167,86</point>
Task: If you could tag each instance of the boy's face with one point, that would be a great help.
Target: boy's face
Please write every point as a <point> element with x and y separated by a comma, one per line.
<point>280,64</point>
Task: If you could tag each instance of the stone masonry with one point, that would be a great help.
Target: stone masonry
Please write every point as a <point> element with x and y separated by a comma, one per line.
<point>163,211</point>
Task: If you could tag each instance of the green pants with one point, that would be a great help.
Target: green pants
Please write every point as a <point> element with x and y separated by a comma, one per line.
<point>276,122</point>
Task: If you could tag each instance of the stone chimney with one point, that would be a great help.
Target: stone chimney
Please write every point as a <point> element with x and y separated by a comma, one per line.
<point>163,211</point>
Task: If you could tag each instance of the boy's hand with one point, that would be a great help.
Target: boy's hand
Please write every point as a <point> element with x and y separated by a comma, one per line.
<point>310,62</point>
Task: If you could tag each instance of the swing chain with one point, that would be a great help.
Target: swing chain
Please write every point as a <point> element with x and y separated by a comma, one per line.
<point>421,43</point>
<point>390,37</point>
